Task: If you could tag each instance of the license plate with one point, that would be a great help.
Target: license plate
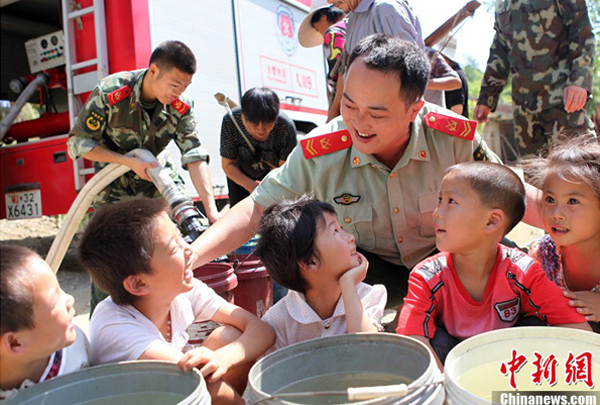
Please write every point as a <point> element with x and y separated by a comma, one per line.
<point>24,204</point>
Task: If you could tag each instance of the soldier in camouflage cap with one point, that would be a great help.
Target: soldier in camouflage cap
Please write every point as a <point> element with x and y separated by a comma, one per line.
<point>144,109</point>
<point>548,47</point>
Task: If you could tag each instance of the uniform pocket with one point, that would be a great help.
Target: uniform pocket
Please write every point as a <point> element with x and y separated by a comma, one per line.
<point>357,219</point>
<point>427,204</point>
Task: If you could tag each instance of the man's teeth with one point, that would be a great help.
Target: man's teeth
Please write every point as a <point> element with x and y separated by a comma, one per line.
<point>556,228</point>
<point>364,135</point>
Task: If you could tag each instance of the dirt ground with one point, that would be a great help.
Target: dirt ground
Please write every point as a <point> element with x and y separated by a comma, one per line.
<point>38,234</point>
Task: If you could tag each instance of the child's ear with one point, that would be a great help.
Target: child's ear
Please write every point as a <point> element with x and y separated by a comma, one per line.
<point>11,344</point>
<point>135,285</point>
<point>311,265</point>
<point>496,219</point>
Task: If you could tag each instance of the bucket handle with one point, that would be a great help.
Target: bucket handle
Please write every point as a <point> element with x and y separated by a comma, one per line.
<point>358,393</point>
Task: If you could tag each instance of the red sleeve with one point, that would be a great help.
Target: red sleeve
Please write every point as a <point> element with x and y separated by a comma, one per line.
<point>419,310</point>
<point>544,299</point>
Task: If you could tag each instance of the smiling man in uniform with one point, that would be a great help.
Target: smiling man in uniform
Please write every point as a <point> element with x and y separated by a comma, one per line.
<point>380,167</point>
<point>144,109</point>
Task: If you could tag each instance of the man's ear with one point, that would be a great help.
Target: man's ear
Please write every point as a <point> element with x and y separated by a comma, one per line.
<point>136,285</point>
<point>415,108</point>
<point>154,71</point>
<point>496,220</point>
<point>12,344</point>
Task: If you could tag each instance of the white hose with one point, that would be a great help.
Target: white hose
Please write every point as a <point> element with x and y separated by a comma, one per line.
<point>81,204</point>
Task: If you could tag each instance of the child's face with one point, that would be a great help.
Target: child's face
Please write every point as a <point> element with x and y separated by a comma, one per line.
<point>459,218</point>
<point>571,212</point>
<point>335,247</point>
<point>172,260</point>
<point>53,311</point>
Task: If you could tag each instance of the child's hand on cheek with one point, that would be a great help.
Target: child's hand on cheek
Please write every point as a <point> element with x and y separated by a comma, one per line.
<point>206,360</point>
<point>587,303</point>
<point>356,274</point>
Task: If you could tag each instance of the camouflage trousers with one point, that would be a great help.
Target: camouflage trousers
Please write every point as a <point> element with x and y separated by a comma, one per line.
<point>536,131</point>
<point>116,192</point>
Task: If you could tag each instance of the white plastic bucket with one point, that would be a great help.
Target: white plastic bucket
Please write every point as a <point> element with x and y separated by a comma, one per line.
<point>472,368</point>
<point>128,383</point>
<point>352,360</point>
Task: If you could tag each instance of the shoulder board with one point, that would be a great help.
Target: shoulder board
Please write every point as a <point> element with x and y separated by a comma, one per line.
<point>118,95</point>
<point>180,106</point>
<point>325,144</point>
<point>451,125</point>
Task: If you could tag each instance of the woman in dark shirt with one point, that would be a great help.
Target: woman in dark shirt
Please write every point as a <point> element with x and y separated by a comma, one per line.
<point>269,137</point>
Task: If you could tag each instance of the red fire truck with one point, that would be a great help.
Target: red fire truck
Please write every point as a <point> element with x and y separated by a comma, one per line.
<point>239,44</point>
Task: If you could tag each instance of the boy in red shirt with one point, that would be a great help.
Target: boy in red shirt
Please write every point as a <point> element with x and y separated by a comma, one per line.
<point>476,284</point>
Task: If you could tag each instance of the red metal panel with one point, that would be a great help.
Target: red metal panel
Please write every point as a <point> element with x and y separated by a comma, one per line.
<point>128,34</point>
<point>46,162</point>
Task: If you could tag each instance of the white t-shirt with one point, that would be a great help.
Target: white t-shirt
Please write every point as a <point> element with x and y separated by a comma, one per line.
<point>72,358</point>
<point>121,333</point>
<point>295,321</point>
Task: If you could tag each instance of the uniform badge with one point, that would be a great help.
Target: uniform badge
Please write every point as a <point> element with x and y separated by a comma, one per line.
<point>325,144</point>
<point>347,199</point>
<point>180,106</point>
<point>118,95</point>
<point>451,125</point>
<point>94,121</point>
<point>508,310</point>
<point>481,153</point>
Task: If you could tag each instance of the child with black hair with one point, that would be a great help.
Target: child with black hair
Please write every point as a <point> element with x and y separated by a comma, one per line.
<point>38,338</point>
<point>134,251</point>
<point>569,177</point>
<point>305,250</point>
<point>476,284</point>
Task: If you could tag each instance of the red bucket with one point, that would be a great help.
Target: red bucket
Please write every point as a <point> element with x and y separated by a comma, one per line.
<point>221,278</point>
<point>254,292</point>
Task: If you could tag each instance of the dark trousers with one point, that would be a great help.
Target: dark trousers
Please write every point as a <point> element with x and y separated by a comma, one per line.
<point>443,342</point>
<point>393,276</point>
<point>236,192</point>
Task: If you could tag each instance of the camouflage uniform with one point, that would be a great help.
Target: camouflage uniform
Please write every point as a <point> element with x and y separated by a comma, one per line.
<point>545,45</point>
<point>116,118</point>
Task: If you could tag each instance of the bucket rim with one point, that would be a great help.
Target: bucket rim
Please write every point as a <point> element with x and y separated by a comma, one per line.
<point>113,370</point>
<point>278,356</point>
<point>502,335</point>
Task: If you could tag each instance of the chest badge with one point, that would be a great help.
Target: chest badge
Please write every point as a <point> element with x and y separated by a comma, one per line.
<point>508,310</point>
<point>347,199</point>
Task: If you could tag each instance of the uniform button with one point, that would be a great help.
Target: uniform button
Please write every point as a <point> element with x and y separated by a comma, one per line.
<point>344,138</point>
<point>407,258</point>
<point>392,175</point>
<point>400,239</point>
<point>396,210</point>
<point>326,326</point>
<point>432,119</point>
<point>347,220</point>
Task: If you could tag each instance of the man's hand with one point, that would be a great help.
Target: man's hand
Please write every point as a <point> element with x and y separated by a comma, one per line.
<point>587,303</point>
<point>356,274</point>
<point>574,98</point>
<point>206,360</point>
<point>481,112</point>
<point>139,166</point>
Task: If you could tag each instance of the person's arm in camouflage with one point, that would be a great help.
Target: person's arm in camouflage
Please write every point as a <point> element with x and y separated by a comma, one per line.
<point>88,131</point>
<point>194,158</point>
<point>582,47</point>
<point>495,78</point>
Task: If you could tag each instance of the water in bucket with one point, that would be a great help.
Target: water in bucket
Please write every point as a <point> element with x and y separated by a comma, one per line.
<point>338,362</point>
<point>473,367</point>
